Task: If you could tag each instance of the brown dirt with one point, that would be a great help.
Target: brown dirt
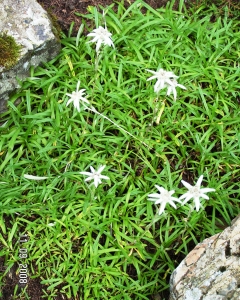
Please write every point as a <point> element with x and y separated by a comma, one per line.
<point>64,11</point>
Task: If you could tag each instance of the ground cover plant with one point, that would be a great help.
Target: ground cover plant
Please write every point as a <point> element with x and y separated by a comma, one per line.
<point>99,160</point>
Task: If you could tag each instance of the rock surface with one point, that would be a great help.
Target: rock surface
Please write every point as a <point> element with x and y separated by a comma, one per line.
<point>28,23</point>
<point>211,271</point>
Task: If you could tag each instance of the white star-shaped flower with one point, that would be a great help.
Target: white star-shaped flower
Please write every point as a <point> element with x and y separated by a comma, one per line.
<point>163,198</point>
<point>95,175</point>
<point>163,77</point>
<point>101,36</point>
<point>172,88</point>
<point>77,96</point>
<point>195,192</point>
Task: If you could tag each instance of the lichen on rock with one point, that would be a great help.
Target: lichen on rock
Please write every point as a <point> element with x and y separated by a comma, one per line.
<point>211,271</point>
<point>28,25</point>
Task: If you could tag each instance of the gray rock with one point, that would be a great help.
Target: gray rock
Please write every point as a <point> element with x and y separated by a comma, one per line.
<point>211,271</point>
<point>28,23</point>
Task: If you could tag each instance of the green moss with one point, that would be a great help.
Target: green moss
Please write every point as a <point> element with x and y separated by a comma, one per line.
<point>9,51</point>
<point>55,25</point>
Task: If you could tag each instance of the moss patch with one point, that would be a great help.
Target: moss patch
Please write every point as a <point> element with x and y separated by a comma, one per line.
<point>9,51</point>
<point>55,25</point>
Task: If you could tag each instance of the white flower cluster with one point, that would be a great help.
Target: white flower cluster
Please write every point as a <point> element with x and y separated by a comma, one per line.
<point>163,197</point>
<point>101,36</point>
<point>194,192</point>
<point>165,79</point>
<point>76,97</point>
<point>96,176</point>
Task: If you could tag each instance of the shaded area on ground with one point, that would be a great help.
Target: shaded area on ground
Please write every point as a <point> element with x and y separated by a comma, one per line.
<point>65,11</point>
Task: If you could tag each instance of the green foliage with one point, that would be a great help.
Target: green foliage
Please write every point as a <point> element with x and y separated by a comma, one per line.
<point>109,243</point>
<point>221,8</point>
<point>9,51</point>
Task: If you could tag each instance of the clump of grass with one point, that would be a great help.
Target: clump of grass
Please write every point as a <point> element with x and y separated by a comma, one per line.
<point>9,51</point>
<point>221,7</point>
<point>109,242</point>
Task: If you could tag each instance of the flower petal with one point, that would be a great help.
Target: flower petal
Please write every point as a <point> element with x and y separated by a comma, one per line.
<point>92,169</point>
<point>86,173</point>
<point>174,94</point>
<point>104,177</point>
<point>199,180</point>
<point>186,184</point>
<point>153,196</point>
<point>162,207</point>
<point>187,197</point>
<point>100,169</point>
<point>78,85</point>
<point>207,190</point>
<point>32,177</point>
<point>204,196</point>
<point>182,86</point>
<point>197,203</point>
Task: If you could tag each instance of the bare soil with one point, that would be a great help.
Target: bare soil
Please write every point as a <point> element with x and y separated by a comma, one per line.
<point>64,11</point>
